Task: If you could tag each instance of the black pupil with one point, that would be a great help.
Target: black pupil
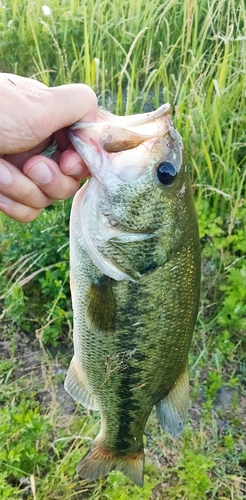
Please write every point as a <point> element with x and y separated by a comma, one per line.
<point>166,173</point>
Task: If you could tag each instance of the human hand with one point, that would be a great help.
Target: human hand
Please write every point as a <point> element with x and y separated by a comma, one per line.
<point>31,114</point>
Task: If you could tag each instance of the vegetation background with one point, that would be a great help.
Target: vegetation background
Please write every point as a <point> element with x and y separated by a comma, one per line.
<point>136,55</point>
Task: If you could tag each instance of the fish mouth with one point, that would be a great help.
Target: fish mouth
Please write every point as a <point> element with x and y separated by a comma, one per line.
<point>114,143</point>
<point>120,133</point>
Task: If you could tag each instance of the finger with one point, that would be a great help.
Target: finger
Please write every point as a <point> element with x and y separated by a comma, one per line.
<point>16,186</point>
<point>32,112</point>
<point>45,173</point>
<point>18,159</point>
<point>71,103</point>
<point>72,164</point>
<point>17,211</point>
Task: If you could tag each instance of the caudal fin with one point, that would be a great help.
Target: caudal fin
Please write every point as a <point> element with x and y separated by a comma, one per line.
<point>99,461</point>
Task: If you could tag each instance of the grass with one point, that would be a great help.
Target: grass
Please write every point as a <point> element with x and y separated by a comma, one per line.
<point>136,56</point>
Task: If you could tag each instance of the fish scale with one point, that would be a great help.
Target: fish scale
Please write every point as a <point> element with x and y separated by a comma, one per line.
<point>135,281</point>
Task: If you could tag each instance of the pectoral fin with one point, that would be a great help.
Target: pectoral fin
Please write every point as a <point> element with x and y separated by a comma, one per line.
<point>100,312</point>
<point>77,388</point>
<point>171,410</point>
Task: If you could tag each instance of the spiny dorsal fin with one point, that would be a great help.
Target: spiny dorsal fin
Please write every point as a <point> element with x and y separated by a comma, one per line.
<point>171,410</point>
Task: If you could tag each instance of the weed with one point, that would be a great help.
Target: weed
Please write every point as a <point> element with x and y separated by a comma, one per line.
<point>193,474</point>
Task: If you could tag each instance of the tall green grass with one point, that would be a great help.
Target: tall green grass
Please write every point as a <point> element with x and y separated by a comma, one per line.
<point>137,55</point>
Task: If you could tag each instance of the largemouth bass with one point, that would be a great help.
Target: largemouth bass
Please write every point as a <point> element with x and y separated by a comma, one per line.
<point>135,282</point>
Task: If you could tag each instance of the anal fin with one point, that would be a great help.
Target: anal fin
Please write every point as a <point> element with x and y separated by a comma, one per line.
<point>172,410</point>
<point>76,387</point>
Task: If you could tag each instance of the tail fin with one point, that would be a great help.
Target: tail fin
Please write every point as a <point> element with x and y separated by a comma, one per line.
<point>99,461</point>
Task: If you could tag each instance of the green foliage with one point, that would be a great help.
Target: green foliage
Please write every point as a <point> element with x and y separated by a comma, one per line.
<point>42,270</point>
<point>224,277</point>
<point>229,442</point>
<point>213,383</point>
<point>233,312</point>
<point>118,487</point>
<point>7,491</point>
<point>15,303</point>
<point>27,430</point>
<point>193,473</point>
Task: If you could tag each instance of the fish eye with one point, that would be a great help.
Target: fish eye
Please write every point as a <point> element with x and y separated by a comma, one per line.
<point>166,173</point>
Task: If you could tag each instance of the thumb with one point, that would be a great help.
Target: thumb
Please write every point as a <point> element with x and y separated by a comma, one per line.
<point>71,103</point>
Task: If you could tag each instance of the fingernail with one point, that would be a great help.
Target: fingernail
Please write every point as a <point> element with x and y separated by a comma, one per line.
<point>5,200</point>
<point>40,173</point>
<point>5,174</point>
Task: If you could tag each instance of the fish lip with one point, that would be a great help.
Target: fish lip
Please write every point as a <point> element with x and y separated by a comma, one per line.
<point>84,125</point>
<point>74,139</point>
<point>125,121</point>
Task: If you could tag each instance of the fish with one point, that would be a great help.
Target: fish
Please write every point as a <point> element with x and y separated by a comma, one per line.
<point>135,284</point>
